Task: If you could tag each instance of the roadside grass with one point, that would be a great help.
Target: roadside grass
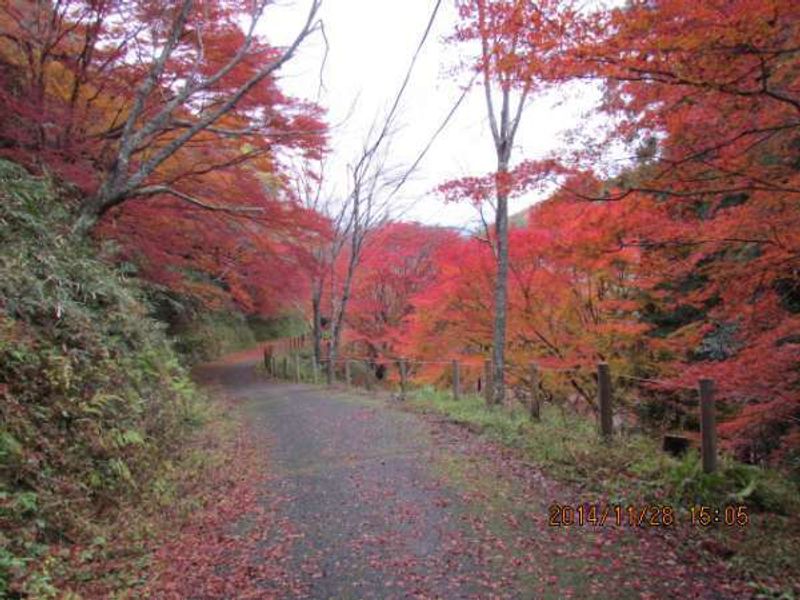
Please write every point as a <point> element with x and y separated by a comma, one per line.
<point>634,470</point>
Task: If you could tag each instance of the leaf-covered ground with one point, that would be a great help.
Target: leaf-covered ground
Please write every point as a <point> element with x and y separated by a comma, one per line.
<point>347,496</point>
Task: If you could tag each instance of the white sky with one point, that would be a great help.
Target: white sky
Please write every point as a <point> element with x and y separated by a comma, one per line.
<point>371,43</point>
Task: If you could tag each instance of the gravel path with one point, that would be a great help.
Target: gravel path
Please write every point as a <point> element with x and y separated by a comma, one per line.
<point>387,503</point>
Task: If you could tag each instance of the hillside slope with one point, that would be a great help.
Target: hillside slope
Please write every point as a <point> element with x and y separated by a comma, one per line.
<point>92,396</point>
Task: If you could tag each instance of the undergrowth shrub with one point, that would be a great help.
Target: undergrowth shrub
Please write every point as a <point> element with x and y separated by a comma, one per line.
<point>92,395</point>
<point>199,333</point>
<point>630,469</point>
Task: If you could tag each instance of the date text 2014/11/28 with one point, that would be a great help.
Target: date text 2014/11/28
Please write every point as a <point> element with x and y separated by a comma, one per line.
<point>647,515</point>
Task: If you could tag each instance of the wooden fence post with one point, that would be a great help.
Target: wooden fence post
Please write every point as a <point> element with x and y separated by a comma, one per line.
<point>347,378</point>
<point>403,379</point>
<point>314,370</point>
<point>297,368</point>
<point>708,426</point>
<point>487,381</point>
<point>273,371</point>
<point>604,400</point>
<point>534,407</point>
<point>330,372</point>
<point>456,381</point>
<point>369,374</point>
<point>285,367</point>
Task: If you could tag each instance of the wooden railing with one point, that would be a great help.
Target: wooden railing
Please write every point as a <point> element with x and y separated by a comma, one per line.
<point>292,359</point>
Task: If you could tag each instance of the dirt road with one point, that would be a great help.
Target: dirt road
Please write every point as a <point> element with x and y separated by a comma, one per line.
<point>387,503</point>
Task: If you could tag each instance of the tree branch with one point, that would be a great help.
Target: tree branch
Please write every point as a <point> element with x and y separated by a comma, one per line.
<point>154,190</point>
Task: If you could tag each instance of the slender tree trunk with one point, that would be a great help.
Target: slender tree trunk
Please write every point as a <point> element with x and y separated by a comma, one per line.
<point>356,239</point>
<point>316,309</point>
<point>503,134</point>
<point>503,125</point>
<point>338,319</point>
<point>500,300</point>
<point>331,350</point>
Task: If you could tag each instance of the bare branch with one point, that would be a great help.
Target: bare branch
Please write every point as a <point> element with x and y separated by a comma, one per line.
<point>154,190</point>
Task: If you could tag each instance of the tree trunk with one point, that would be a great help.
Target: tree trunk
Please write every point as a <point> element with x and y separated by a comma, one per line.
<point>316,309</point>
<point>329,371</point>
<point>338,318</point>
<point>356,239</point>
<point>90,213</point>
<point>95,206</point>
<point>500,300</point>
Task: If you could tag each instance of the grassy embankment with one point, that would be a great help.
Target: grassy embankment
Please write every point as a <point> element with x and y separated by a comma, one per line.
<point>105,442</point>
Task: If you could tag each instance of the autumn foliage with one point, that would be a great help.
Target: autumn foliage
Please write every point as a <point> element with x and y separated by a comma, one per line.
<point>85,99</point>
<point>682,263</point>
<point>153,140</point>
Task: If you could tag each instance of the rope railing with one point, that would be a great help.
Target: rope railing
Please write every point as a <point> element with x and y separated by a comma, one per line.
<point>464,372</point>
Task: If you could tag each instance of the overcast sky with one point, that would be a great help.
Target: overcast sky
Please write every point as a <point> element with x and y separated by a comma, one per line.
<point>371,43</point>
